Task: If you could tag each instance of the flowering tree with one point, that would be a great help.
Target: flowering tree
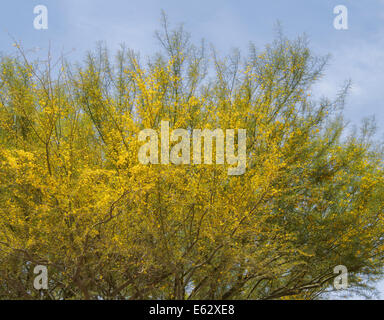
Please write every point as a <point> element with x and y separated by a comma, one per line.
<point>74,196</point>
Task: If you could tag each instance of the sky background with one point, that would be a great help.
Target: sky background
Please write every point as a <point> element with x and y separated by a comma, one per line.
<point>75,26</point>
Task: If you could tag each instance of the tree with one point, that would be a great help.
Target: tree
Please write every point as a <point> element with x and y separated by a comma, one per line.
<point>75,198</point>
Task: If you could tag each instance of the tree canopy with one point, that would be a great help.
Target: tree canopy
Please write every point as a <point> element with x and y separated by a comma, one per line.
<point>74,196</point>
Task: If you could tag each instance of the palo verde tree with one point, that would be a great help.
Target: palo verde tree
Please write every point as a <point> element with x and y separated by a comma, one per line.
<point>75,198</point>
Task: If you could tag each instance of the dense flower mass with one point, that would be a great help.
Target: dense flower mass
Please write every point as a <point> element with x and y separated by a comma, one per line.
<point>74,196</point>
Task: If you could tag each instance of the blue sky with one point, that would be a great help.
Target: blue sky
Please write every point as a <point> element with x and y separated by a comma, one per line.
<point>357,53</point>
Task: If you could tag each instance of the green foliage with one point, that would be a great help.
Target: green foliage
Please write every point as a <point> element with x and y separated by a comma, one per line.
<point>74,197</point>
